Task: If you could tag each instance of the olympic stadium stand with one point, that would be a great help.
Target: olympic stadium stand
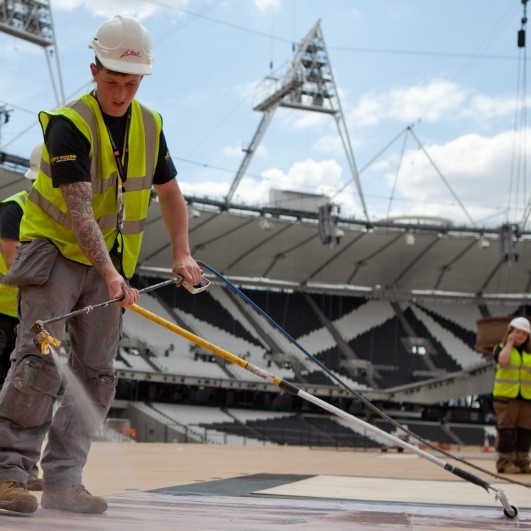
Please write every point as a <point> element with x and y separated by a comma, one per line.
<point>462,316</point>
<point>452,341</point>
<point>460,322</point>
<point>286,309</point>
<point>363,318</point>
<point>304,430</point>
<point>206,307</point>
<point>383,348</point>
<point>376,331</point>
<point>440,356</point>
<point>334,307</point>
<point>469,434</point>
<point>373,329</point>
<point>198,423</point>
<point>430,431</point>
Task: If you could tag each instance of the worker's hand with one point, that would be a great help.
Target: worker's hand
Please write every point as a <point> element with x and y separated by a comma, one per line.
<point>189,269</point>
<point>511,337</point>
<point>118,288</point>
<point>131,296</point>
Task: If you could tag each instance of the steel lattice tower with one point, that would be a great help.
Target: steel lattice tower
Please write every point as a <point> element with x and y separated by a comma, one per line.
<point>32,21</point>
<point>307,85</point>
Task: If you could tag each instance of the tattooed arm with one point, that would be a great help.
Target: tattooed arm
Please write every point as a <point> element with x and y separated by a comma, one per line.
<point>78,199</point>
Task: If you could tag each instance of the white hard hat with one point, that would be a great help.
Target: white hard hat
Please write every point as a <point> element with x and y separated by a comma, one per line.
<point>34,162</point>
<point>521,323</point>
<point>123,45</point>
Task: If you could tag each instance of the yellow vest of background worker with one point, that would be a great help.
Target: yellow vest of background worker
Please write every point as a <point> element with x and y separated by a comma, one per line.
<point>514,378</point>
<point>8,294</point>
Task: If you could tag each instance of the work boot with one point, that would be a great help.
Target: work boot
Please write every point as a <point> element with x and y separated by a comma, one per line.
<point>509,468</point>
<point>522,462</point>
<point>14,496</point>
<point>34,483</point>
<point>76,499</point>
<point>505,464</point>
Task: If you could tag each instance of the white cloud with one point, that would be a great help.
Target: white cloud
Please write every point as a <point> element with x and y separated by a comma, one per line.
<point>108,8</point>
<point>309,176</point>
<point>467,177</point>
<point>487,107</point>
<point>266,5</point>
<point>252,192</point>
<point>436,101</point>
<point>215,189</point>
<point>429,102</point>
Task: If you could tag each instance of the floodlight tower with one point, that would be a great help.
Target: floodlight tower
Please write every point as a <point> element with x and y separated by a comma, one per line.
<point>31,21</point>
<point>307,85</point>
<point>521,42</point>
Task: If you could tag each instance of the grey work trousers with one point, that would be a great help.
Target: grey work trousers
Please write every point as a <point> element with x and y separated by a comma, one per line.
<point>33,382</point>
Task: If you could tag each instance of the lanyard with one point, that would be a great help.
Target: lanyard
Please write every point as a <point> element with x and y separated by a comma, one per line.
<point>121,165</point>
<point>121,162</point>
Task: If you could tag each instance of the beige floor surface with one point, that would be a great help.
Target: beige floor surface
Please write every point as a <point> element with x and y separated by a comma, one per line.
<point>337,489</point>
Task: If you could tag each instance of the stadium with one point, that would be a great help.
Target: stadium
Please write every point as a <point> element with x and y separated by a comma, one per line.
<point>391,321</point>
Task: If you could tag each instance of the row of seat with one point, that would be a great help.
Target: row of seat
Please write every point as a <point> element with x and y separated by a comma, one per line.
<point>372,329</point>
<point>217,425</point>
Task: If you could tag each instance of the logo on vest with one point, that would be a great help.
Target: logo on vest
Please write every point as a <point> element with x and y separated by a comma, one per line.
<point>63,158</point>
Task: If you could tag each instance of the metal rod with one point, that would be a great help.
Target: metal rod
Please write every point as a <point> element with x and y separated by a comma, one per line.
<point>288,387</point>
<point>89,308</point>
<point>352,391</point>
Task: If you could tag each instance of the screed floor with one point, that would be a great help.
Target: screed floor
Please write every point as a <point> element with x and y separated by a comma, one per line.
<point>172,486</point>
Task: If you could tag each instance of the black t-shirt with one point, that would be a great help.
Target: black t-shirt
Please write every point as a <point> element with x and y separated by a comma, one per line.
<point>63,138</point>
<point>10,217</point>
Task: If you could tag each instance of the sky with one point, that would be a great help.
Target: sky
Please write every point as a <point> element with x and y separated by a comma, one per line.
<point>433,95</point>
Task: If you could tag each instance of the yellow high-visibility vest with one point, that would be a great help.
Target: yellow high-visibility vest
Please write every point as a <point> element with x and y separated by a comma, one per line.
<point>9,294</point>
<point>515,378</point>
<point>46,214</point>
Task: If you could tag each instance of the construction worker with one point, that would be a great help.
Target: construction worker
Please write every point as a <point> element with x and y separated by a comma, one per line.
<point>81,235</point>
<point>512,398</point>
<point>11,210</point>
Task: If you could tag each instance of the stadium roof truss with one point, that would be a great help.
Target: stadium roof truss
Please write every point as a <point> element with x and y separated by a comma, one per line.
<point>393,260</point>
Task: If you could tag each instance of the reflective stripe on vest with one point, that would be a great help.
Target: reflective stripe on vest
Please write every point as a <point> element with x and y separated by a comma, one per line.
<point>514,379</point>
<point>47,214</point>
<point>9,294</point>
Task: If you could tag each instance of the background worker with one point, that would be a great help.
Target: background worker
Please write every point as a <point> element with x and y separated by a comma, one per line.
<point>11,210</point>
<point>512,398</point>
<point>81,236</point>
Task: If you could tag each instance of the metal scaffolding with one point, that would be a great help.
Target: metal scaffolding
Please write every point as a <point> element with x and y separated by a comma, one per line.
<point>32,21</point>
<point>307,85</point>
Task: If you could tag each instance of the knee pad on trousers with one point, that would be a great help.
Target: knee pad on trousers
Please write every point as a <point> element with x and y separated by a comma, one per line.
<point>523,440</point>
<point>506,440</point>
<point>102,390</point>
<point>29,396</point>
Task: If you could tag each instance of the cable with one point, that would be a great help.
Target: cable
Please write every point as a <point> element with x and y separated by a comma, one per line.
<point>338,380</point>
<point>509,510</point>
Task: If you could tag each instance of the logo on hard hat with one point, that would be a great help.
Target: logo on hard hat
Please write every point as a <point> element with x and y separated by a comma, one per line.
<point>129,53</point>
